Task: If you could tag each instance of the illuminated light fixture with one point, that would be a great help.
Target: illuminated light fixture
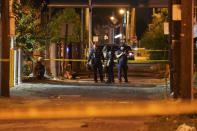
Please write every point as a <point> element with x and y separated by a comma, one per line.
<point>122,11</point>
<point>67,49</point>
<point>118,36</point>
<point>105,37</point>
<point>130,54</point>
<point>112,18</point>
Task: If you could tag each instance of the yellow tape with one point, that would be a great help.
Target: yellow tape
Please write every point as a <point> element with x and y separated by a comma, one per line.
<point>151,50</point>
<point>100,109</point>
<point>4,60</point>
<point>74,60</point>
<point>140,49</point>
<point>129,61</point>
<point>156,50</point>
<point>148,61</point>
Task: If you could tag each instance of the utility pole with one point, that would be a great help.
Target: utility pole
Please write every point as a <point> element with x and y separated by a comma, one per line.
<point>82,28</point>
<point>12,51</point>
<point>127,25</point>
<point>90,24</point>
<point>187,51</point>
<point>132,28</point>
<point>170,46</point>
<point>52,50</point>
<point>87,13</point>
<point>5,53</point>
<point>82,45</point>
<point>181,48</point>
<point>175,7</point>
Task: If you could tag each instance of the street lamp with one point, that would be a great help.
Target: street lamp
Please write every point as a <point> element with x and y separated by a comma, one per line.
<point>114,21</point>
<point>122,11</point>
<point>112,18</point>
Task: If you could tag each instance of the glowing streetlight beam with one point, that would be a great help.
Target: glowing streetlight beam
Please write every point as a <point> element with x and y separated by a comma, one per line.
<point>118,36</point>
<point>112,18</point>
<point>122,11</point>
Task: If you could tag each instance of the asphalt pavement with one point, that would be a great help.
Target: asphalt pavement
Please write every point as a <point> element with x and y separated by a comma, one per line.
<point>80,105</point>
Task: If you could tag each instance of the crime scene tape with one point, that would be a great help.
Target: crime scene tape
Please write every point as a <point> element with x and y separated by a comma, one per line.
<point>4,60</point>
<point>147,61</point>
<point>143,49</point>
<point>101,109</point>
<point>157,50</point>
<point>129,61</point>
<point>72,60</point>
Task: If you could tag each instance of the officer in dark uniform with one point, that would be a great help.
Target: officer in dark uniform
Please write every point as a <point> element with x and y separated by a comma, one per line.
<point>122,63</point>
<point>96,57</point>
<point>110,64</point>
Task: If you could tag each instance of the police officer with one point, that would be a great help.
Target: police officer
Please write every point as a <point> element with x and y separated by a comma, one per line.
<point>96,57</point>
<point>122,63</point>
<point>110,64</point>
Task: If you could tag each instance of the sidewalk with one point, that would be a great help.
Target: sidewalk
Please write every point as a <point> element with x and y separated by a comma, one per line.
<point>133,82</point>
<point>136,88</point>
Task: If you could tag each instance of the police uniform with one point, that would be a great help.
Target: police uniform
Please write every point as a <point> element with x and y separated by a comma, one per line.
<point>109,66</point>
<point>95,57</point>
<point>122,65</point>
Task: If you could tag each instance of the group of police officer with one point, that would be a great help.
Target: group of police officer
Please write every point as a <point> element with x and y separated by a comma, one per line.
<point>97,60</point>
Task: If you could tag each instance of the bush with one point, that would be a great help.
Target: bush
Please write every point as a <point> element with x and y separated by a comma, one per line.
<point>154,38</point>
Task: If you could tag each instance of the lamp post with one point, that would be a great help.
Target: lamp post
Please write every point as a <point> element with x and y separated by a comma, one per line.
<point>90,24</point>
<point>123,25</point>
<point>123,12</point>
<point>5,49</point>
<point>114,21</point>
<point>112,18</point>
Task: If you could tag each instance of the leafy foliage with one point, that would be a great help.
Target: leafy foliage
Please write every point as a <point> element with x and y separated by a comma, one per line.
<point>64,16</point>
<point>33,3</point>
<point>154,37</point>
<point>30,33</point>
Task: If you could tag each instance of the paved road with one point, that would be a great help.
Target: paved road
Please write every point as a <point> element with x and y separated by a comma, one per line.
<point>57,95</point>
<point>86,89</point>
